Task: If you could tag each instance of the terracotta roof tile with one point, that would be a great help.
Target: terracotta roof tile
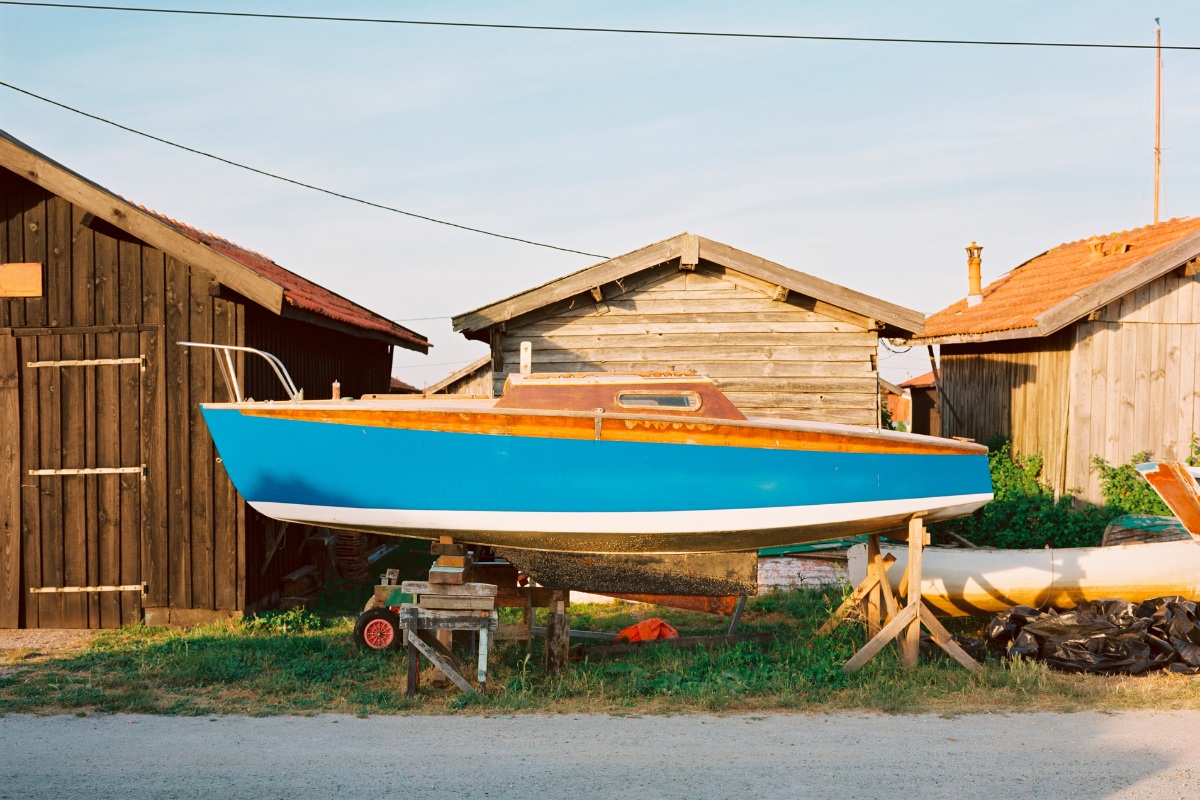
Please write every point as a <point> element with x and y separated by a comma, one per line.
<point>297,291</point>
<point>1045,281</point>
<point>918,382</point>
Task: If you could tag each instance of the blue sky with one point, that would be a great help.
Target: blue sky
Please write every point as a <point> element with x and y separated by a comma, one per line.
<point>871,165</point>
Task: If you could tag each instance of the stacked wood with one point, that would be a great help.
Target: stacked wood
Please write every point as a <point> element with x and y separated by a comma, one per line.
<point>466,597</point>
<point>454,564</point>
<point>300,587</point>
<point>352,554</point>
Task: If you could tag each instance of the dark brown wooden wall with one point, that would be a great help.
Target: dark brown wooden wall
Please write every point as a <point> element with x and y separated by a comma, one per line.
<point>315,357</point>
<point>183,529</point>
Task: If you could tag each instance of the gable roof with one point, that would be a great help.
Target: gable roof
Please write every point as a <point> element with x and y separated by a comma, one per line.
<point>485,361</point>
<point>919,382</point>
<point>246,272</point>
<point>690,249</point>
<point>1066,283</point>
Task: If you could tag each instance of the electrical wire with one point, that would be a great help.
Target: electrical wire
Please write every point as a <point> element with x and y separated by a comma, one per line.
<point>298,183</point>
<point>577,29</point>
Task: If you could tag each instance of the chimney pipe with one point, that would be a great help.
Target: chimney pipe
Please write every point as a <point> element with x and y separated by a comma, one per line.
<point>975,296</point>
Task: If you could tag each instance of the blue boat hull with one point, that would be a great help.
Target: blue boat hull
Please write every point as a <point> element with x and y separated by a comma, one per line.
<point>581,495</point>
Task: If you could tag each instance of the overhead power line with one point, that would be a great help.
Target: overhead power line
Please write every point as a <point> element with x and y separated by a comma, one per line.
<point>579,29</point>
<point>298,183</point>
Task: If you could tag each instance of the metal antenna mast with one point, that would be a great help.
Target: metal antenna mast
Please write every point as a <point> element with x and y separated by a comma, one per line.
<point>1157,118</point>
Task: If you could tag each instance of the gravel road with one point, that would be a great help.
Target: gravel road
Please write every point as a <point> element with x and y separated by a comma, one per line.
<point>1084,755</point>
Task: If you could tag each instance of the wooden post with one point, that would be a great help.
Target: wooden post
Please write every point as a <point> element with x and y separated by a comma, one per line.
<point>873,595</point>
<point>558,632</point>
<point>911,646</point>
<point>905,623</point>
<point>414,659</point>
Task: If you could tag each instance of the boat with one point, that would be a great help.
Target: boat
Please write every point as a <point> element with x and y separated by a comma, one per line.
<point>963,581</point>
<point>584,463</point>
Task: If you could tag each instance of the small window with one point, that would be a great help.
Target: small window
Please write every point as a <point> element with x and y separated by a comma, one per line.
<point>674,401</point>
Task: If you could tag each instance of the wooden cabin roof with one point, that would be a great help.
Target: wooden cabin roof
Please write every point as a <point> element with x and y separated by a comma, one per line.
<point>249,273</point>
<point>1066,283</point>
<point>690,249</point>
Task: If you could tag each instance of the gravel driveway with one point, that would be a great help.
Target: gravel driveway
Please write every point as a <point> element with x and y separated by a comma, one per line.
<point>1084,755</point>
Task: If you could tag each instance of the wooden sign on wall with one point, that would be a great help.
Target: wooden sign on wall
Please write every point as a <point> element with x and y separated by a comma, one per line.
<point>20,280</point>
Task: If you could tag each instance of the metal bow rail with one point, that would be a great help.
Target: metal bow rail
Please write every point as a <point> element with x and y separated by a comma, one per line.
<point>229,373</point>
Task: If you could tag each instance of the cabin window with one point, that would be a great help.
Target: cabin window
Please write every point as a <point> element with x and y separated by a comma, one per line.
<point>674,401</point>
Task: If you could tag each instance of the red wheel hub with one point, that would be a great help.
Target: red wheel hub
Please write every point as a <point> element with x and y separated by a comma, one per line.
<point>378,634</point>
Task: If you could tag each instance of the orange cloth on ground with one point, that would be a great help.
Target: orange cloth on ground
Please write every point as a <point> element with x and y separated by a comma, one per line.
<point>647,630</point>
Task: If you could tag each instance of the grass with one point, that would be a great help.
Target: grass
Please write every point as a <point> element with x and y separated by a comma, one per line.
<point>303,662</point>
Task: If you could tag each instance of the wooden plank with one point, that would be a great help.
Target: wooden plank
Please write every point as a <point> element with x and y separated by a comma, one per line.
<point>1142,411</point>
<point>7,199</point>
<point>240,366</point>
<point>782,319</point>
<point>10,485</point>
<point>889,632</point>
<point>18,280</point>
<point>1172,446</point>
<point>945,641</point>
<point>587,343</point>
<point>633,326</point>
<point>1112,403</point>
<point>50,413</point>
<point>797,386</point>
<point>645,304</point>
<point>152,552</point>
<point>129,297</point>
<point>74,498</point>
<point>911,646</point>
<point>31,537</point>
<point>83,271</point>
<point>1098,398</point>
<point>444,602</point>
<point>722,370</point>
<point>91,484</point>
<point>225,500</point>
<point>1185,398</point>
<point>130,487</point>
<point>108,451</point>
<point>1156,369</point>
<point>178,434</point>
<point>672,354</point>
<point>34,230</point>
<point>1129,355</point>
<point>202,456</point>
<point>1186,292</point>
<point>805,400</point>
<point>140,224</point>
<point>455,590</point>
<point>107,271</point>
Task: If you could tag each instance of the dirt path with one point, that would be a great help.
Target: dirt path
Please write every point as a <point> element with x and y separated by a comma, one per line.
<point>1126,755</point>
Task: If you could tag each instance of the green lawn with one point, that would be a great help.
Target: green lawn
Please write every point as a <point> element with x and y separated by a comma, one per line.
<point>304,662</point>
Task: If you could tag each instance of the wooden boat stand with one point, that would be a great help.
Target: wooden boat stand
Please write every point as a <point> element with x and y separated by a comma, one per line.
<point>874,596</point>
<point>420,625</point>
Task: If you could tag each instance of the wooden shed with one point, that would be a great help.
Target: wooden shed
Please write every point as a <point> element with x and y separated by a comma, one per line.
<point>474,379</point>
<point>108,477</point>
<point>781,343</point>
<point>1088,349</point>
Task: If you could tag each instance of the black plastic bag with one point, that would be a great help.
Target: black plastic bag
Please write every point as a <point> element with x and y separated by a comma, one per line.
<point>1105,636</point>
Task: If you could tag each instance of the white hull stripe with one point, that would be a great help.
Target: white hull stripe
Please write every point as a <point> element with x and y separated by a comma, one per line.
<point>631,522</point>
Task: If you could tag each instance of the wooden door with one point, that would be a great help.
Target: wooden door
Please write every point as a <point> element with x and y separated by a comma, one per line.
<point>82,473</point>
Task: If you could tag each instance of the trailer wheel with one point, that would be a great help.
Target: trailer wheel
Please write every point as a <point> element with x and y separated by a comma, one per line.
<point>378,629</point>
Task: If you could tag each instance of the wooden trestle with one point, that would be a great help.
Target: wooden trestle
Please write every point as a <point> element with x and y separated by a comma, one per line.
<point>874,597</point>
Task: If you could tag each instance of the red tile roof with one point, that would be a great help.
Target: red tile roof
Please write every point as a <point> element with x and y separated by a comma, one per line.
<point>400,387</point>
<point>1045,281</point>
<point>918,382</point>
<point>297,291</point>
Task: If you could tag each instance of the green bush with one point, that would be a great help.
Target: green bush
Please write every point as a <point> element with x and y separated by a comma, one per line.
<point>1024,513</point>
<point>1124,488</point>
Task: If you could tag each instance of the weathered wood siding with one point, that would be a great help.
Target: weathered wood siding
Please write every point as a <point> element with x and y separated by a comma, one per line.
<point>182,529</point>
<point>1016,389</point>
<point>1135,379</point>
<point>1113,386</point>
<point>795,358</point>
<point>479,383</point>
